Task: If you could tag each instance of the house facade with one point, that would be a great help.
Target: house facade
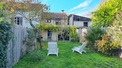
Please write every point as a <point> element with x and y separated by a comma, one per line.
<point>59,19</point>
<point>78,21</point>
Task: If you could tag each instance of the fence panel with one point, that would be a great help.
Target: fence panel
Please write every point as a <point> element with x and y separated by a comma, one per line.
<point>15,45</point>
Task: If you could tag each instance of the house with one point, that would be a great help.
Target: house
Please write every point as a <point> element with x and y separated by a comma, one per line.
<point>22,21</point>
<point>56,18</point>
<point>23,12</point>
<point>78,21</point>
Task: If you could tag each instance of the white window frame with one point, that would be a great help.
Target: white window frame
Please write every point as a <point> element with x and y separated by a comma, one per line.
<point>18,20</point>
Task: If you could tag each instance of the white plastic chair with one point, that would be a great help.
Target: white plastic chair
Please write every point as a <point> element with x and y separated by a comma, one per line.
<point>79,49</point>
<point>52,48</point>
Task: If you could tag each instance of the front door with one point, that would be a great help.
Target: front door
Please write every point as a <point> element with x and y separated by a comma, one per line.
<point>49,35</point>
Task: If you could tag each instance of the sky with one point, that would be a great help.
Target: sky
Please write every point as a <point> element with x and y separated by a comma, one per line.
<point>78,7</point>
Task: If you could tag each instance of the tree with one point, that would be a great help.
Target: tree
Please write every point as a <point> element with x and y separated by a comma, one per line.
<point>30,10</point>
<point>106,13</point>
<point>64,30</point>
<point>109,15</point>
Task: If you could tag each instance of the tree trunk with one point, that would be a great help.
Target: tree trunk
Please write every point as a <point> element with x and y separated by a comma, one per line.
<point>38,32</point>
<point>40,38</point>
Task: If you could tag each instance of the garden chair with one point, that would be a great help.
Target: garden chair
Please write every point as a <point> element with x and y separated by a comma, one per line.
<point>52,48</point>
<point>79,49</point>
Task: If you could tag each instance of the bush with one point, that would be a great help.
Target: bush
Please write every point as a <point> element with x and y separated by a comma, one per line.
<point>30,38</point>
<point>73,34</point>
<point>35,56</point>
<point>93,35</point>
<point>108,46</point>
<point>75,38</point>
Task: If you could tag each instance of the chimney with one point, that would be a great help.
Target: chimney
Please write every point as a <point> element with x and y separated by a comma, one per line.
<point>62,11</point>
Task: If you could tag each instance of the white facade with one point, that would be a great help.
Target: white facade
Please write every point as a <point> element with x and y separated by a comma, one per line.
<point>25,22</point>
<point>79,23</point>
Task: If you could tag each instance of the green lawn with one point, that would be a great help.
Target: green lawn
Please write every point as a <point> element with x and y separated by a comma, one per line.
<point>68,59</point>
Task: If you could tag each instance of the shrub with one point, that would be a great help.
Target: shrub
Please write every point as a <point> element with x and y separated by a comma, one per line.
<point>107,45</point>
<point>93,35</point>
<point>30,38</point>
<point>35,56</point>
<point>73,34</point>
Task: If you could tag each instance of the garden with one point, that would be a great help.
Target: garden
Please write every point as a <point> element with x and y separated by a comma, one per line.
<point>67,58</point>
<point>21,50</point>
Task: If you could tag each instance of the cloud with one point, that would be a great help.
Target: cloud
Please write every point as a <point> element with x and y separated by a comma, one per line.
<point>77,11</point>
<point>87,13</point>
<point>81,5</point>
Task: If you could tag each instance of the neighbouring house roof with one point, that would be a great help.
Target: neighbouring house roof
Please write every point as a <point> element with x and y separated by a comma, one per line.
<point>55,15</point>
<point>58,15</point>
<point>79,18</point>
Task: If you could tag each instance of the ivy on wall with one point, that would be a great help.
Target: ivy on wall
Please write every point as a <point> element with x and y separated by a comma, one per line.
<point>45,27</point>
<point>5,36</point>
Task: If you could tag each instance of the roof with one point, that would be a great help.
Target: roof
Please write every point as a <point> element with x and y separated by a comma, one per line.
<point>79,18</point>
<point>55,15</point>
<point>58,15</point>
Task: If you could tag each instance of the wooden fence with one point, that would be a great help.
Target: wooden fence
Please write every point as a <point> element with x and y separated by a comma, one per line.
<point>16,47</point>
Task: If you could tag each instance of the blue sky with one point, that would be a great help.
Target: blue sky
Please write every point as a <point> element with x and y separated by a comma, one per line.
<point>78,7</point>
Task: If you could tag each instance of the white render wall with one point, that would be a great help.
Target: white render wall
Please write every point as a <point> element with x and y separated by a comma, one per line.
<point>81,23</point>
<point>25,22</point>
<point>78,23</point>
<point>63,22</point>
<point>71,20</point>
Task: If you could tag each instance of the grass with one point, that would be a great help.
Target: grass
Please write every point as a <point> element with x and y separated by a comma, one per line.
<point>67,59</point>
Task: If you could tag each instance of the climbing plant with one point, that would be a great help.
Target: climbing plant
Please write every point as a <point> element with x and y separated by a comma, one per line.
<point>5,36</point>
<point>45,27</point>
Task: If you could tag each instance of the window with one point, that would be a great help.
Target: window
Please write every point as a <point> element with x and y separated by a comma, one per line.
<point>85,24</point>
<point>18,20</point>
<point>57,23</point>
<point>68,23</point>
<point>49,35</point>
<point>48,21</point>
<point>78,19</point>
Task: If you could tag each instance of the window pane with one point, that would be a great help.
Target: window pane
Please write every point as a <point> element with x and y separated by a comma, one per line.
<point>86,24</point>
<point>18,20</point>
